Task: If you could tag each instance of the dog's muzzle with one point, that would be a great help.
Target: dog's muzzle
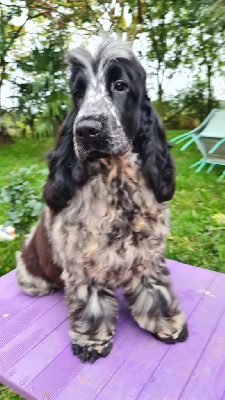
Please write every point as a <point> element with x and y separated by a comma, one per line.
<point>97,131</point>
<point>88,131</point>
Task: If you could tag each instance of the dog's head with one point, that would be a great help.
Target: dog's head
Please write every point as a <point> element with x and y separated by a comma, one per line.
<point>111,115</point>
<point>107,90</point>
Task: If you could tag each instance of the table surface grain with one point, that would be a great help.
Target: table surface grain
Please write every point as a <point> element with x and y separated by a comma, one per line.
<point>36,359</point>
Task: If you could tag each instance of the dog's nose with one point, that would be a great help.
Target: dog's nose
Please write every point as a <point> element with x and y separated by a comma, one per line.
<point>88,130</point>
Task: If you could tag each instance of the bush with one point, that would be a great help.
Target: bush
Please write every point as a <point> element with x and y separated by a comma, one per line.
<point>25,203</point>
<point>188,108</point>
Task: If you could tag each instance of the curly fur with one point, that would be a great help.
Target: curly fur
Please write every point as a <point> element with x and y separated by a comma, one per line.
<point>105,222</point>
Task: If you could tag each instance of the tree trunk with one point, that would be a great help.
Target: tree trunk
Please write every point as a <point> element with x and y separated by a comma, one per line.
<point>4,136</point>
<point>209,84</point>
<point>160,100</point>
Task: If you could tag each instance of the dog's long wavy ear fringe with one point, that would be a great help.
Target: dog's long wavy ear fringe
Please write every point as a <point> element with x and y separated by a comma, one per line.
<point>157,165</point>
<point>66,172</point>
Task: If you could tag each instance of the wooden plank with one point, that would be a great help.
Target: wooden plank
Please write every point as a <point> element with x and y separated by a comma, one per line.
<point>9,293</point>
<point>42,384</point>
<point>88,382</point>
<point>97,379</point>
<point>180,360</point>
<point>12,308</point>
<point>210,368</point>
<point>105,369</point>
<point>43,354</point>
<point>18,324</point>
<point>148,353</point>
<point>7,279</point>
<point>22,343</point>
<point>40,356</point>
<point>38,362</point>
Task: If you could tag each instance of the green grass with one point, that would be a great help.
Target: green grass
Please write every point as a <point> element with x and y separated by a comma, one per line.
<point>197,233</point>
<point>6,394</point>
<point>197,209</point>
<point>23,153</point>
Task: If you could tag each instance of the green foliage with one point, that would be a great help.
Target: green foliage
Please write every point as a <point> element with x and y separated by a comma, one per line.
<point>25,204</point>
<point>175,34</point>
<point>166,28</point>
<point>189,106</point>
<point>206,49</point>
<point>42,97</point>
<point>195,101</point>
<point>24,152</point>
<point>7,394</point>
<point>125,17</point>
<point>183,34</point>
<point>37,73</point>
<point>8,254</point>
<point>8,34</point>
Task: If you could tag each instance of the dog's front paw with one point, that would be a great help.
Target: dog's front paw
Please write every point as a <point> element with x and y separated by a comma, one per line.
<point>171,337</point>
<point>91,353</point>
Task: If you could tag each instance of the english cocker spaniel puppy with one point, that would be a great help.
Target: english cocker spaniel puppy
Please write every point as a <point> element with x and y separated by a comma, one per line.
<point>105,221</point>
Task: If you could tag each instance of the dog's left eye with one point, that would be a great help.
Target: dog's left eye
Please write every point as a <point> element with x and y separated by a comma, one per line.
<point>120,86</point>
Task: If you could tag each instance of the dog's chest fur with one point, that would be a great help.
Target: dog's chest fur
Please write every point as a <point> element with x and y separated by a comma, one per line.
<point>112,226</point>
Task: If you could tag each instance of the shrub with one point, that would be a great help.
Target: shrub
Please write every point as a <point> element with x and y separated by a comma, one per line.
<point>25,204</point>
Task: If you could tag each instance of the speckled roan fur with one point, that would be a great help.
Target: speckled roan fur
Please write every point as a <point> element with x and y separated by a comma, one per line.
<point>112,228</point>
<point>112,232</point>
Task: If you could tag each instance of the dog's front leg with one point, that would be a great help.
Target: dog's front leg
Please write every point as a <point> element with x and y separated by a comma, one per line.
<point>154,306</point>
<point>93,314</point>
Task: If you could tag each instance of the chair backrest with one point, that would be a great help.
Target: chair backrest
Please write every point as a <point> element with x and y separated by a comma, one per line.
<point>211,141</point>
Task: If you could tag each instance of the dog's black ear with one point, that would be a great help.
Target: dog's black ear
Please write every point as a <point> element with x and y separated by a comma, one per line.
<point>157,165</point>
<point>66,172</point>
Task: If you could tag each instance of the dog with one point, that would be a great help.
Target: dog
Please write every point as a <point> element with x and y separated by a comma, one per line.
<point>105,221</point>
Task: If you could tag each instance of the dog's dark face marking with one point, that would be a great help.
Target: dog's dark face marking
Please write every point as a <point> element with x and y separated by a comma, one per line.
<point>107,90</point>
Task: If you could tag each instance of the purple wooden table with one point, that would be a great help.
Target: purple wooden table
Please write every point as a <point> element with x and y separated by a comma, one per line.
<point>36,359</point>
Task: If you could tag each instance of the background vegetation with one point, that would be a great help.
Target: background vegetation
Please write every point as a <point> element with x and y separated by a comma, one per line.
<point>169,37</point>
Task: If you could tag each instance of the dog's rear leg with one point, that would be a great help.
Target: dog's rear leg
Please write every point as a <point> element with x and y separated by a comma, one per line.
<point>154,306</point>
<point>93,314</point>
<point>29,283</point>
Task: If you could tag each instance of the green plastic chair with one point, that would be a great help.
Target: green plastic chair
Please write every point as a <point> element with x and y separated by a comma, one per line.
<point>209,136</point>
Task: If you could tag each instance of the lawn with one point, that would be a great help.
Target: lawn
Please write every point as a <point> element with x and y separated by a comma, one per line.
<point>197,213</point>
<point>197,209</point>
<point>23,153</point>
